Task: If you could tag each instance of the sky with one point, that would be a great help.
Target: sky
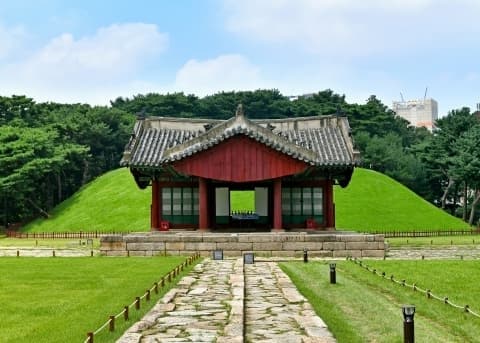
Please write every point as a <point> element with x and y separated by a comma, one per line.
<point>94,51</point>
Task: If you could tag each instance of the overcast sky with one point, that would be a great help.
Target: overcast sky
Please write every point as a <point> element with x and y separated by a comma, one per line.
<point>95,50</point>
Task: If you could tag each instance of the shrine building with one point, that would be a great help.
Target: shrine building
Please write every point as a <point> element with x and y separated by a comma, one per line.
<point>193,165</point>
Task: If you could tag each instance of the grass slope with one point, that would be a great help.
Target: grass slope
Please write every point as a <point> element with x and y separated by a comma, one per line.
<point>371,202</point>
<point>112,202</point>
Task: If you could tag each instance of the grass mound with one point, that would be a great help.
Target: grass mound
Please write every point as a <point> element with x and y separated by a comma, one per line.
<point>112,202</point>
<point>371,202</point>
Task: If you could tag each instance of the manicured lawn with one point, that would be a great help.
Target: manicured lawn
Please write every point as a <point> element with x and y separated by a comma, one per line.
<point>363,307</point>
<point>61,299</point>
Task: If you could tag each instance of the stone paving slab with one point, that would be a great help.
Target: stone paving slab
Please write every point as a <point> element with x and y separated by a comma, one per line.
<point>204,307</point>
<point>276,311</point>
<point>209,305</point>
<point>436,253</point>
<point>45,252</point>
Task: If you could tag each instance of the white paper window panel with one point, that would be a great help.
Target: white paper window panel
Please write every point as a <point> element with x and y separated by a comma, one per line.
<point>166,193</point>
<point>167,209</point>
<point>177,209</point>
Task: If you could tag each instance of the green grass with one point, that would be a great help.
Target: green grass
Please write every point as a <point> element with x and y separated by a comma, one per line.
<point>61,299</point>
<point>363,307</point>
<point>112,202</point>
<point>242,200</point>
<point>371,202</point>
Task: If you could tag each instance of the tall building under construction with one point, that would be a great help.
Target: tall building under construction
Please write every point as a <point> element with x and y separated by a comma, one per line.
<point>419,113</point>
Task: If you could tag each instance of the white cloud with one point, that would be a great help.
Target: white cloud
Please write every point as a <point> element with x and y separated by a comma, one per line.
<point>69,69</point>
<point>10,40</point>
<point>225,72</point>
<point>352,28</point>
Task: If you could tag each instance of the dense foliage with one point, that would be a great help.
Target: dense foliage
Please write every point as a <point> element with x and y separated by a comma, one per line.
<point>49,150</point>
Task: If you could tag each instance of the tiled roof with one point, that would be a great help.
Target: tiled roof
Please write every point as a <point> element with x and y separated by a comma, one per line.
<point>319,141</point>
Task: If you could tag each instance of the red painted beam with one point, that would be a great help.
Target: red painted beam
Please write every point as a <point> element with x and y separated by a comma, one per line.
<point>203,204</point>
<point>329,207</point>
<point>155,207</point>
<point>277,204</point>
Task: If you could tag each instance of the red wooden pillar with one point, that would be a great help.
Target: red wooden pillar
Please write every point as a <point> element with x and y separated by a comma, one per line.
<point>277,204</point>
<point>203,222</point>
<point>155,206</point>
<point>330,209</point>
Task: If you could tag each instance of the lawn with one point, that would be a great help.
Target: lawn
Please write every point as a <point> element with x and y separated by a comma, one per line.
<point>363,307</point>
<point>61,299</point>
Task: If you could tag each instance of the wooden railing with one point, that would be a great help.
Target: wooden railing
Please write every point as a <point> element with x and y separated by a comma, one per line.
<point>426,233</point>
<point>168,278</point>
<point>62,235</point>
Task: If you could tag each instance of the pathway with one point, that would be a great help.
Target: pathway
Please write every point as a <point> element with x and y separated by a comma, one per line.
<point>435,253</point>
<point>276,311</point>
<point>219,302</point>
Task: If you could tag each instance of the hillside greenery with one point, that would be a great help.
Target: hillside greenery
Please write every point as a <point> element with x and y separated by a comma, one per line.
<point>48,151</point>
<point>371,202</point>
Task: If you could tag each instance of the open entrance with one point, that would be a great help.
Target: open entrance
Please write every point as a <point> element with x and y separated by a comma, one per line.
<point>242,207</point>
<point>242,201</point>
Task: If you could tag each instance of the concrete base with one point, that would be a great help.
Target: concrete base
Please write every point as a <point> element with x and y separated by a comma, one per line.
<point>278,244</point>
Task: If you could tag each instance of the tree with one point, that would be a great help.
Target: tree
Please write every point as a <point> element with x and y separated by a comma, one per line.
<point>437,153</point>
<point>31,159</point>
<point>466,165</point>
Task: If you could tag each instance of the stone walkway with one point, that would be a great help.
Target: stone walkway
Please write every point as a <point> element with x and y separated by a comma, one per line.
<point>45,252</point>
<point>209,305</point>
<point>276,311</point>
<point>436,253</point>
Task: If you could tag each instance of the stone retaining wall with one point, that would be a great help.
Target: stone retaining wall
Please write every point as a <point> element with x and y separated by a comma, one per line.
<point>235,244</point>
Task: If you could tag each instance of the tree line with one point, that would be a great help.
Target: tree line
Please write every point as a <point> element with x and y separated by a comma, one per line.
<point>49,150</point>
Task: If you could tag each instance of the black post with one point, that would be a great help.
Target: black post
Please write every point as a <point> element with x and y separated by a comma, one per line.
<point>305,255</point>
<point>333,274</point>
<point>408,323</point>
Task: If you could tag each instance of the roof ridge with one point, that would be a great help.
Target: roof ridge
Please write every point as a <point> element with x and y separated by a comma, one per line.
<point>239,124</point>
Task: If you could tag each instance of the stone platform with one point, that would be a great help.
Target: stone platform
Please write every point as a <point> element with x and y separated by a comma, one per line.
<point>281,244</point>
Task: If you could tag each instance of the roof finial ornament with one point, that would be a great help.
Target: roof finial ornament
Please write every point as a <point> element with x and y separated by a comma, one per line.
<point>239,112</point>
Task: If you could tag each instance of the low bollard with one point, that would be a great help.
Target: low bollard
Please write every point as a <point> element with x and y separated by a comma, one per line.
<point>333,273</point>
<point>408,312</point>
<point>305,255</point>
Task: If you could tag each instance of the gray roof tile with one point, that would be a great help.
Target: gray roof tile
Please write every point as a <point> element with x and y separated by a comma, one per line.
<point>322,141</point>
